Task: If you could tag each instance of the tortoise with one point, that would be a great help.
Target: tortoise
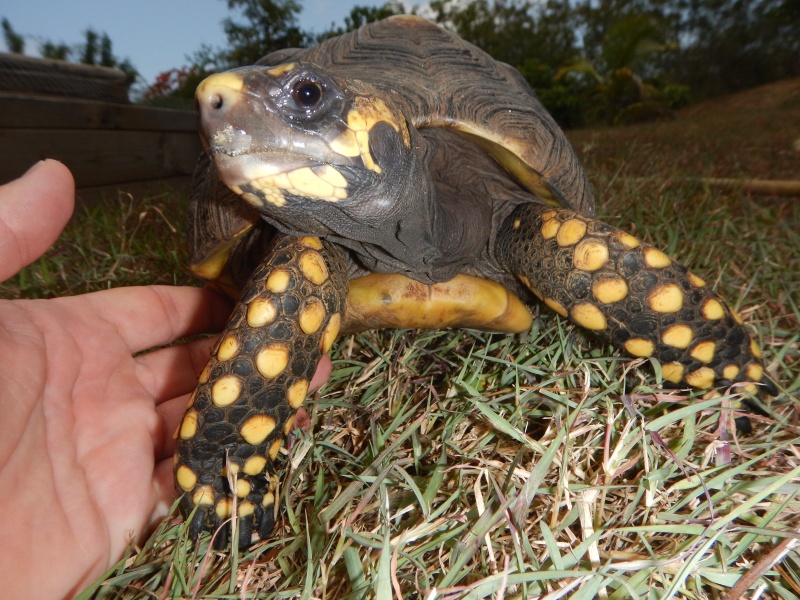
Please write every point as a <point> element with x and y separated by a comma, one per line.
<point>398,176</point>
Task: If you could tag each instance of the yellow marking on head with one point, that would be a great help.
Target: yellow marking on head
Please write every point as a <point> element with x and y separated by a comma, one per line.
<point>272,360</point>
<point>730,372</point>
<point>571,232</point>
<point>243,488</point>
<point>186,478</point>
<point>257,428</point>
<point>296,394</point>
<point>696,281</point>
<point>203,496</point>
<point>678,336</point>
<point>702,378</point>
<point>704,351</point>
<point>362,138</point>
<point>550,229</point>
<point>517,223</point>
<point>610,289</point>
<point>754,371</point>
<point>331,175</point>
<point>365,114</point>
<point>627,239</point>
<point>233,81</point>
<point>226,390</point>
<point>755,349</point>
<point>346,144</point>
<point>254,465</point>
<point>737,317</point>
<point>261,312</point>
<point>246,509</point>
<point>253,199</point>
<point>288,426</point>
<point>278,281</point>
<point>205,373</point>
<point>656,259</point>
<point>590,255</point>
<point>330,332</point>
<point>556,306</point>
<point>311,316</point>
<point>281,69</point>
<point>672,372</point>
<point>712,309</point>
<point>189,425</point>
<point>640,347</point>
<point>268,499</point>
<point>589,316</point>
<point>667,298</point>
<point>311,242</point>
<point>275,448</point>
<point>228,348</point>
<point>309,184</point>
<point>313,267</point>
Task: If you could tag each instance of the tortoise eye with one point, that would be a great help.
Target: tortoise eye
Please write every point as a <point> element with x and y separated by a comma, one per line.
<point>307,93</point>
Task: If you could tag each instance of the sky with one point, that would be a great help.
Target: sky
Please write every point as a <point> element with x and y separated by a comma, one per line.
<point>155,35</point>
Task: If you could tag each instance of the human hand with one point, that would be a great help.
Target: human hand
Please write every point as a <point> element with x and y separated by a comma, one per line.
<point>85,426</point>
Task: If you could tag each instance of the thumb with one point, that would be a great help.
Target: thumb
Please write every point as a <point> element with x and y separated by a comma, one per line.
<point>33,211</point>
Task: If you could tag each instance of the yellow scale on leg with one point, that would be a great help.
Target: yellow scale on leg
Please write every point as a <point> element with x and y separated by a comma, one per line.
<point>633,294</point>
<point>258,376</point>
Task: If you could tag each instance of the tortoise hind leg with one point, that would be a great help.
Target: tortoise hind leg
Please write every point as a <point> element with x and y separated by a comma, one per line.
<point>632,294</point>
<point>288,316</point>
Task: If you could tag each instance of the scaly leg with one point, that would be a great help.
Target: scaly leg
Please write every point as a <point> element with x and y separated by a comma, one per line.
<point>287,317</point>
<point>632,294</point>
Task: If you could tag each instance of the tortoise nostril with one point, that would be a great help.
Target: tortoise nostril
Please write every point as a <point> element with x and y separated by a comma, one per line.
<point>215,101</point>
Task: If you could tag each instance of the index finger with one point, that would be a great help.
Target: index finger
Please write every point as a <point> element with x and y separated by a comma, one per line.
<point>151,316</point>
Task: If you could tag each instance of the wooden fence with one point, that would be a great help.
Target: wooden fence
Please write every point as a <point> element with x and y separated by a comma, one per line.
<point>108,146</point>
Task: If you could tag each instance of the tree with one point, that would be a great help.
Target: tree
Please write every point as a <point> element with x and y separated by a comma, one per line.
<point>14,41</point>
<point>268,25</point>
<point>361,15</point>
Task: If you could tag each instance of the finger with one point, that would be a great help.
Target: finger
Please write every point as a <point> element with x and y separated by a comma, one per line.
<point>147,317</point>
<point>173,371</point>
<point>33,211</point>
<point>322,374</point>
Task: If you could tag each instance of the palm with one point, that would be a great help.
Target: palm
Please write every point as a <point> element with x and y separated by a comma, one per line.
<point>89,450</point>
<point>85,427</point>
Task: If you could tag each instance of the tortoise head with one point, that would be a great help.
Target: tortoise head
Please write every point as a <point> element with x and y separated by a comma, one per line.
<point>291,136</point>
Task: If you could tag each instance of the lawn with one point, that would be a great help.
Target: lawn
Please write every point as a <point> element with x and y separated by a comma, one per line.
<point>468,465</point>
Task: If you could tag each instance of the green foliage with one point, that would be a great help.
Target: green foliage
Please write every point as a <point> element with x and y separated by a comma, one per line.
<point>14,41</point>
<point>361,15</point>
<point>56,51</point>
<point>268,25</point>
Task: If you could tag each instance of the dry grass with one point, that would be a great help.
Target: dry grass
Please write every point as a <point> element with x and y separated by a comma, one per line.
<point>468,465</point>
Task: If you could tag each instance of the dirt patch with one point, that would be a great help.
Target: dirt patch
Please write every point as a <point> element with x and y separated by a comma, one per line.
<point>780,94</point>
<point>752,134</point>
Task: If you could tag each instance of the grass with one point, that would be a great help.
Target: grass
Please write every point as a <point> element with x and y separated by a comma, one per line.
<point>469,465</point>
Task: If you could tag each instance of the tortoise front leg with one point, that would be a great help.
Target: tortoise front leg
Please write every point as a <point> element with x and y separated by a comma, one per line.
<point>288,316</point>
<point>632,294</point>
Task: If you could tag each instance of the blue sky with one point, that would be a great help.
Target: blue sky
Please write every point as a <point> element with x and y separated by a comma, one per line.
<point>155,35</point>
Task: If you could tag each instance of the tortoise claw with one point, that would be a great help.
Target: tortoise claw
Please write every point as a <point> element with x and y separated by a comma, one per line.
<point>287,318</point>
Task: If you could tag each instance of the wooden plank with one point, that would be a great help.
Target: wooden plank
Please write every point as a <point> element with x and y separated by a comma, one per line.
<point>28,74</point>
<point>98,157</point>
<point>18,111</point>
